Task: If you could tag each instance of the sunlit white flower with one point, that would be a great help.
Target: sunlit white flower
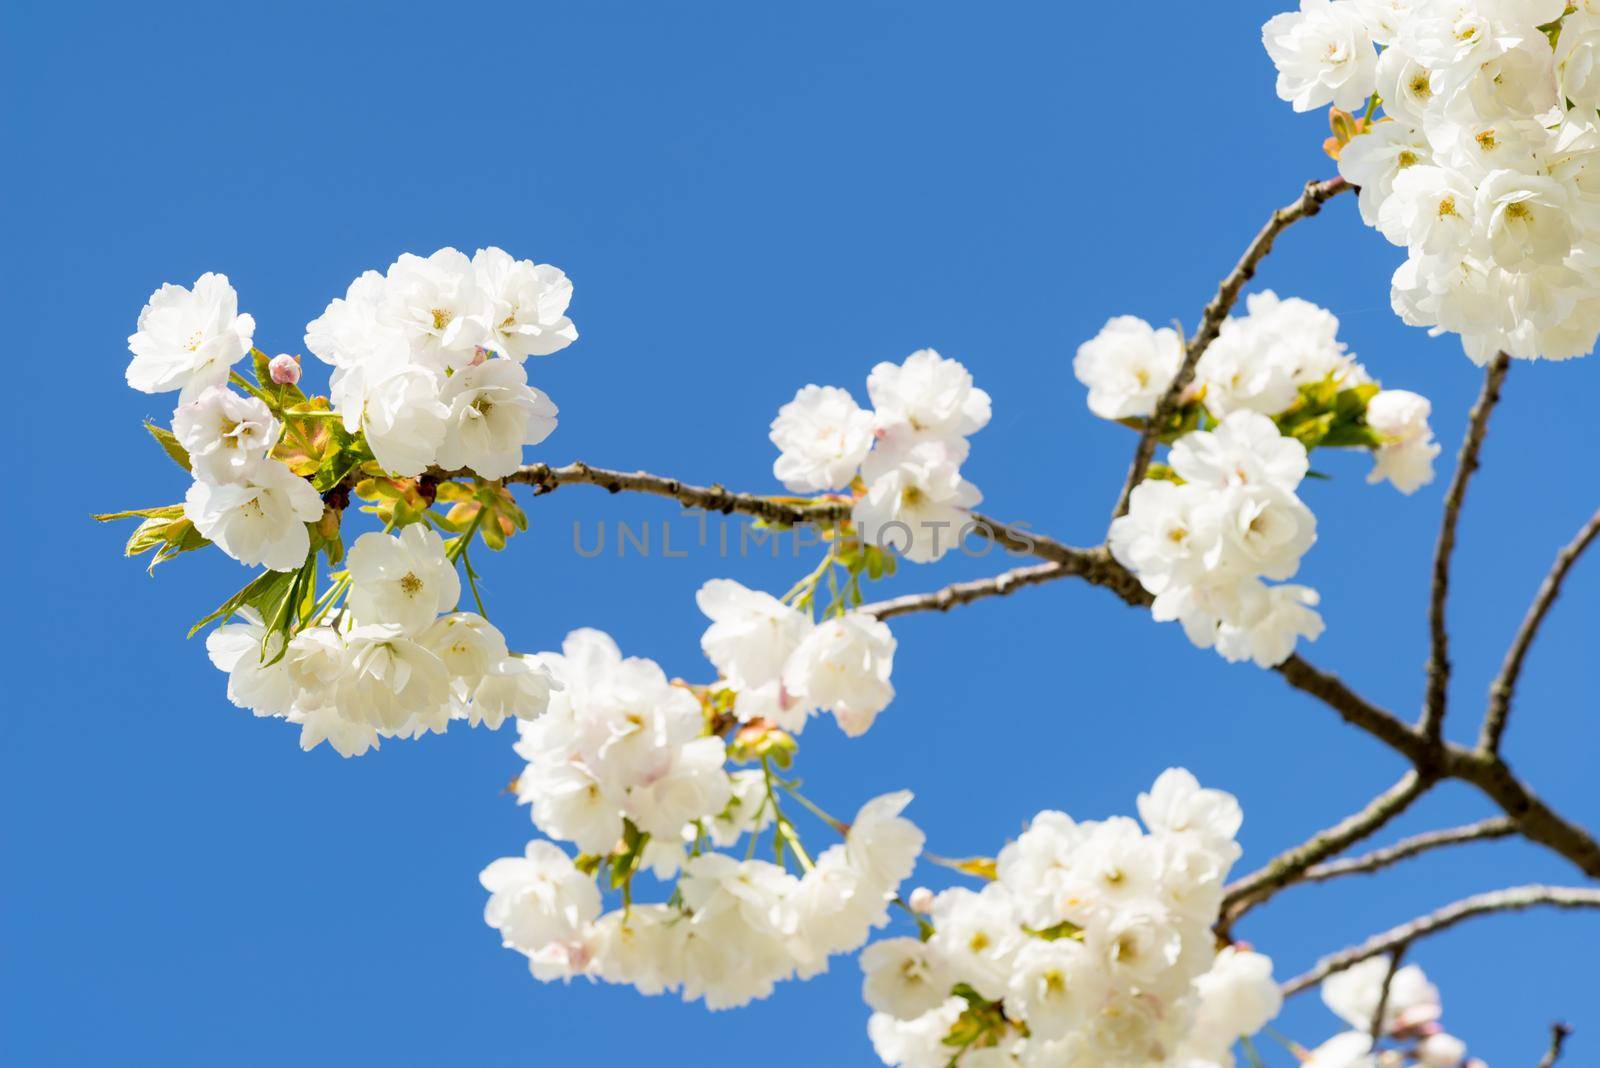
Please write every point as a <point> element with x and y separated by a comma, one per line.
<point>259,522</point>
<point>823,436</point>
<point>403,579</point>
<point>512,688</point>
<point>493,414</point>
<point>1406,457</point>
<point>1127,367</point>
<point>904,977</point>
<point>916,502</point>
<point>390,680</point>
<point>926,397</point>
<point>538,898</point>
<point>527,305</point>
<point>1324,55</point>
<point>404,420</point>
<point>843,666</point>
<point>438,307</point>
<point>226,435</point>
<point>189,339</point>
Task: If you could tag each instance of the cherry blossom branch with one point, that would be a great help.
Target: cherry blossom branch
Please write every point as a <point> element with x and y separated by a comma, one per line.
<point>1096,566</point>
<point>1288,867</point>
<point>1510,900</point>
<point>942,600</point>
<point>1378,859</point>
<point>1536,820</point>
<point>1439,658</point>
<point>1216,313</point>
<point>1559,1033</point>
<point>1505,684</point>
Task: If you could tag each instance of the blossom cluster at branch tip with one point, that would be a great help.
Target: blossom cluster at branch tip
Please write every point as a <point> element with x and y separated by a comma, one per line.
<point>1483,165</point>
<point>905,455</point>
<point>624,766</point>
<point>428,358</point>
<point>399,662</point>
<point>1223,514</point>
<point>1092,947</point>
<point>782,666</point>
<point>1409,1032</point>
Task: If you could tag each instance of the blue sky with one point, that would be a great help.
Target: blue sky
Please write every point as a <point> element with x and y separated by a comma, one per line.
<point>748,198</point>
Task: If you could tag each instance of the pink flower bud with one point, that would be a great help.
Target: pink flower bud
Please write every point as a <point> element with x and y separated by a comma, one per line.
<point>921,900</point>
<point>284,369</point>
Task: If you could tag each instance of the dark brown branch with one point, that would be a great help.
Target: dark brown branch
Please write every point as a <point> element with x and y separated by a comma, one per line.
<point>1514,899</point>
<point>1505,684</point>
<point>1216,313</point>
<point>1559,1033</point>
<point>1439,657</point>
<point>1378,859</point>
<point>1535,819</point>
<point>1287,868</point>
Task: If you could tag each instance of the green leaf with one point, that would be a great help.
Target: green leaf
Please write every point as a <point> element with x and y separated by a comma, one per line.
<point>263,589</point>
<point>1056,932</point>
<point>165,511</point>
<point>169,444</point>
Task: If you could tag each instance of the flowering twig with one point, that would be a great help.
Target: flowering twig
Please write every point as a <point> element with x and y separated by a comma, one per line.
<point>1510,900</point>
<point>1559,1033</point>
<point>1439,657</point>
<point>1378,859</point>
<point>1216,313</point>
<point>1288,867</point>
<point>1096,566</point>
<point>1505,684</point>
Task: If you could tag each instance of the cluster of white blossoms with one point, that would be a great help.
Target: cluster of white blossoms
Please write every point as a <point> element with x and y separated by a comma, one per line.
<point>1224,518</point>
<point>1203,546</point>
<point>623,766</point>
<point>188,340</point>
<point>1484,164</point>
<point>399,662</point>
<point>1092,947</point>
<point>428,358</point>
<point>781,666</point>
<point>1262,361</point>
<point>904,456</point>
<point>1410,1022</point>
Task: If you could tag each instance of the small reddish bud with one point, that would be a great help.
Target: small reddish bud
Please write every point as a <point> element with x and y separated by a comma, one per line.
<point>284,369</point>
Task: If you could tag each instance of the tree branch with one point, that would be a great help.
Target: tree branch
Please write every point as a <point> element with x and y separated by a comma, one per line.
<point>1514,899</point>
<point>1505,684</point>
<point>1483,830</point>
<point>1375,1030</point>
<point>942,600</point>
<point>1439,658</point>
<point>1559,1033</point>
<point>1433,759</point>
<point>1286,868</point>
<point>1216,313</point>
<point>1535,819</point>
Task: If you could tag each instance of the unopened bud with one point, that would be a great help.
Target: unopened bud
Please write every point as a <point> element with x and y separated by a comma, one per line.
<point>284,369</point>
<point>921,900</point>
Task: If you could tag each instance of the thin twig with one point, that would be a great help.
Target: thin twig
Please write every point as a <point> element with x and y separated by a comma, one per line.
<point>1505,684</point>
<point>1216,312</point>
<point>1559,1033</point>
<point>1378,859</point>
<point>1287,867</point>
<point>1439,656</point>
<point>1513,899</point>
<point>942,600</point>
<point>1375,1031</point>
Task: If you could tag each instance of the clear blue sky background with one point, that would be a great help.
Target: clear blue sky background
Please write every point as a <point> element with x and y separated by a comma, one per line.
<point>749,198</point>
